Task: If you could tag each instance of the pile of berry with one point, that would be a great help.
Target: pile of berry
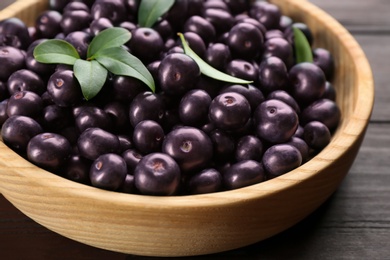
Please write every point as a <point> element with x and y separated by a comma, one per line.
<point>194,134</point>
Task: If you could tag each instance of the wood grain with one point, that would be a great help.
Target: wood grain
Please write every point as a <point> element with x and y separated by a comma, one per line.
<point>207,223</point>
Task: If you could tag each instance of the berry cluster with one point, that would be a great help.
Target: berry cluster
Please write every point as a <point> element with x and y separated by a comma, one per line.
<point>194,134</point>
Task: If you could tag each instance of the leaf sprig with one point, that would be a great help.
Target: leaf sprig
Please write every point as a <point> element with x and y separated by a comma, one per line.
<point>105,53</point>
<point>303,51</point>
<point>207,69</point>
<point>150,11</point>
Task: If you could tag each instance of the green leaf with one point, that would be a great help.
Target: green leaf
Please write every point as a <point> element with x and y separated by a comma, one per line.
<point>150,11</point>
<point>303,51</point>
<point>91,76</point>
<point>56,51</point>
<point>108,38</point>
<point>208,70</point>
<point>121,62</point>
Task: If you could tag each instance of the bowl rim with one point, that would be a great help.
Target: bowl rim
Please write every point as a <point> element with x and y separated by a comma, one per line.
<point>353,128</point>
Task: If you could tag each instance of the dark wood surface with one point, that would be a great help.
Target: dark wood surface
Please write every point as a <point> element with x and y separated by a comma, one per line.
<point>353,224</point>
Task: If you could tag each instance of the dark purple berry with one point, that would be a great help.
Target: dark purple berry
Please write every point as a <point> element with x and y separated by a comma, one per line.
<point>17,131</point>
<point>94,142</point>
<point>324,110</point>
<point>275,121</point>
<point>190,147</point>
<point>49,151</point>
<point>178,73</point>
<point>280,159</point>
<point>307,82</point>
<point>25,103</point>
<point>194,107</point>
<point>242,174</point>
<point>11,60</point>
<point>207,181</point>
<point>64,88</point>
<point>148,136</point>
<point>316,135</point>
<point>229,111</point>
<point>157,174</point>
<point>249,147</point>
<point>108,172</point>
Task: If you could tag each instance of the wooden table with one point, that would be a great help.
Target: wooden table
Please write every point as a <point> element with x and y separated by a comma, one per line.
<point>353,224</point>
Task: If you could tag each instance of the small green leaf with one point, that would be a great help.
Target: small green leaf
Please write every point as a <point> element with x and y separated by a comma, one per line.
<point>303,52</point>
<point>108,38</point>
<point>150,11</point>
<point>56,51</point>
<point>208,70</point>
<point>91,76</point>
<point>120,62</point>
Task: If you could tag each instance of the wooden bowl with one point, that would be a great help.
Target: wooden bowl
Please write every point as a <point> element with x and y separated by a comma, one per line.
<point>201,224</point>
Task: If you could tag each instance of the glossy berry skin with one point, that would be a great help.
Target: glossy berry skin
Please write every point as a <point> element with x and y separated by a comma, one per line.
<point>280,159</point>
<point>273,75</point>
<point>24,103</point>
<point>119,114</point>
<point>194,107</point>
<point>286,98</point>
<point>229,111</point>
<point>223,144</point>
<point>148,136</point>
<point>249,147</point>
<point>279,47</point>
<point>324,110</point>
<point>75,21</point>
<point>3,111</point>
<point>17,131</point>
<point>301,145</point>
<point>77,169</point>
<point>132,158</point>
<point>146,44</point>
<point>307,82</point>
<point>25,80</point>
<point>266,13</point>
<point>242,174</point>
<point>49,151</point>
<point>114,10</point>
<point>108,171</point>
<point>250,92</point>
<point>190,147</point>
<point>242,69</point>
<point>48,25</point>
<point>324,59</point>
<point>218,55</point>
<point>14,32</point>
<point>128,185</point>
<point>93,117</point>
<point>99,25</point>
<point>94,142</point>
<point>202,27</point>
<point>11,60</point>
<point>157,174</point>
<point>316,135</point>
<point>146,106</point>
<point>221,20</point>
<point>245,41</point>
<point>126,88</point>
<point>80,40</point>
<point>330,91</point>
<point>196,43</point>
<point>64,88</point>
<point>276,122</point>
<point>207,181</point>
<point>178,73</point>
